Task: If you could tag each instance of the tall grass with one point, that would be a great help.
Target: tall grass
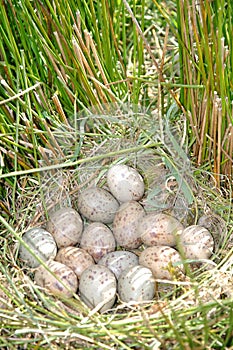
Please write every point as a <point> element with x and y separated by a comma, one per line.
<point>63,57</point>
<point>203,31</point>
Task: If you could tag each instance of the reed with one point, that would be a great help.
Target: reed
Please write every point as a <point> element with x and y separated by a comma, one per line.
<point>205,56</point>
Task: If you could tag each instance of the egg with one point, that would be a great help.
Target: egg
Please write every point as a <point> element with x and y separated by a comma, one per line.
<point>136,284</point>
<point>41,242</point>
<point>97,240</point>
<point>118,261</point>
<point>97,204</point>
<point>125,183</point>
<point>165,262</point>
<point>97,286</point>
<point>196,242</point>
<point>64,288</point>
<point>125,224</point>
<point>66,226</point>
<point>75,258</point>
<point>159,229</point>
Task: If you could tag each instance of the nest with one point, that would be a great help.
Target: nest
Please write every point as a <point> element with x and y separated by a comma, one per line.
<point>77,156</point>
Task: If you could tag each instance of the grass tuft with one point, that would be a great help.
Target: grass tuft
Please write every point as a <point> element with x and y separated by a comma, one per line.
<point>205,60</point>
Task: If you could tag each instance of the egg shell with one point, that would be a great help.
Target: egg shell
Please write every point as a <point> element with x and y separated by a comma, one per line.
<point>196,242</point>
<point>97,204</point>
<point>119,261</point>
<point>97,240</point>
<point>159,229</point>
<point>125,183</point>
<point>76,258</point>
<point>66,226</point>
<point>45,279</point>
<point>41,242</point>
<point>163,261</point>
<point>97,286</point>
<point>125,225</point>
<point>136,284</point>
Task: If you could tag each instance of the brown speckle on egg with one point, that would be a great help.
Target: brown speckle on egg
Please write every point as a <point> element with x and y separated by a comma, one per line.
<point>159,229</point>
<point>97,286</point>
<point>41,242</point>
<point>136,283</point>
<point>125,224</point>
<point>165,262</point>
<point>97,240</point>
<point>196,242</point>
<point>118,261</point>
<point>66,227</point>
<point>76,258</point>
<point>125,183</point>
<point>47,280</point>
<point>97,204</point>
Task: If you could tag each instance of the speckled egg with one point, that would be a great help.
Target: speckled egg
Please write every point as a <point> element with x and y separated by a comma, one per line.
<point>136,284</point>
<point>45,279</point>
<point>125,183</point>
<point>125,225</point>
<point>97,240</point>
<point>196,242</point>
<point>41,242</point>
<point>66,226</point>
<point>97,204</point>
<point>163,261</point>
<point>76,258</point>
<point>97,286</point>
<point>119,261</point>
<point>159,229</point>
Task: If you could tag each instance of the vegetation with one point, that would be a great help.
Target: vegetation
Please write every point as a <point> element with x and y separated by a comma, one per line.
<point>84,83</point>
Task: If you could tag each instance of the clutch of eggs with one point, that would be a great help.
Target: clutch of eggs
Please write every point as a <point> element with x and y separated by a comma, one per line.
<point>91,249</point>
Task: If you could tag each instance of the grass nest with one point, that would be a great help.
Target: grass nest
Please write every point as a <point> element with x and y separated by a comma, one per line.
<point>192,313</point>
